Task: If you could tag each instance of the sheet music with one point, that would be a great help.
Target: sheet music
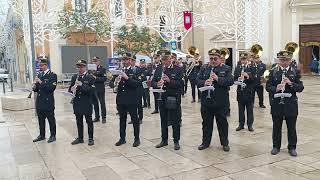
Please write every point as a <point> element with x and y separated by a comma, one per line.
<point>205,88</point>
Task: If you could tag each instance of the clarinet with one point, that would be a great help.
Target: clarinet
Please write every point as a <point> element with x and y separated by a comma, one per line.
<point>210,79</point>
<point>75,89</point>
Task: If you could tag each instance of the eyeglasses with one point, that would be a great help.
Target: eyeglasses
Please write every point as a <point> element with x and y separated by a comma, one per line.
<point>214,58</point>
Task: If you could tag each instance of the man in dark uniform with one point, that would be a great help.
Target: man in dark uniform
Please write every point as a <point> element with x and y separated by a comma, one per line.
<point>223,61</point>
<point>126,100</point>
<point>169,77</point>
<point>100,77</point>
<point>284,78</point>
<point>245,73</point>
<point>214,103</point>
<point>82,85</point>
<point>146,74</point>
<point>138,73</point>
<point>156,64</point>
<point>260,69</point>
<point>193,81</point>
<point>183,67</point>
<point>45,85</point>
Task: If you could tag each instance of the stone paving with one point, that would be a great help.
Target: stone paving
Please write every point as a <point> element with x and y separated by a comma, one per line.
<point>249,157</point>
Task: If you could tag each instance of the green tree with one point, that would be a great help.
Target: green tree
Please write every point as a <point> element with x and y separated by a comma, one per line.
<point>92,21</point>
<point>134,39</point>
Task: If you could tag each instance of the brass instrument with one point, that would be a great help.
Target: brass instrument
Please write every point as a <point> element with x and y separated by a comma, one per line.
<point>292,47</point>
<point>195,54</point>
<point>109,75</point>
<point>256,50</point>
<point>225,53</point>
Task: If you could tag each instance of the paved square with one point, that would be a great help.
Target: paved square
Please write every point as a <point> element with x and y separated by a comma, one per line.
<point>249,157</point>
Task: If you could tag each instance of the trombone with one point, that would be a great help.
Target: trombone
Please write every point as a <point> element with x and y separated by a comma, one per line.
<point>195,54</point>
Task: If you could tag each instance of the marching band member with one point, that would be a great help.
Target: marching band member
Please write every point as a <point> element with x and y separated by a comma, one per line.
<point>45,85</point>
<point>169,78</point>
<point>82,85</point>
<point>126,100</point>
<point>245,73</point>
<point>284,79</point>
<point>214,103</point>
<point>156,64</point>
<point>260,69</point>
<point>100,77</point>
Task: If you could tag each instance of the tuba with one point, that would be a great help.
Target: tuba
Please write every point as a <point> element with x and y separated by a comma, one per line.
<point>292,47</point>
<point>256,50</point>
<point>195,54</point>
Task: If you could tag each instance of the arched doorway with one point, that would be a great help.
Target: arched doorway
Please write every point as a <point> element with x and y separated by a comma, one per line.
<point>309,37</point>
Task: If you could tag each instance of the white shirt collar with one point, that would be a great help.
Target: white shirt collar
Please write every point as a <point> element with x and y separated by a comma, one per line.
<point>46,71</point>
<point>287,68</point>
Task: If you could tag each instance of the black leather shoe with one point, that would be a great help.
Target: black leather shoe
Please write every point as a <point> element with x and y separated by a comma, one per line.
<point>155,112</point>
<point>162,144</point>
<point>39,138</point>
<point>250,129</point>
<point>293,152</point>
<point>140,121</point>
<point>120,142</point>
<point>77,141</point>
<point>96,120</point>
<point>226,148</point>
<point>275,151</point>
<point>176,146</point>
<point>239,128</point>
<point>203,146</point>
<point>51,139</point>
<point>136,143</point>
<point>104,120</point>
<point>262,106</point>
<point>91,142</point>
<point>130,122</point>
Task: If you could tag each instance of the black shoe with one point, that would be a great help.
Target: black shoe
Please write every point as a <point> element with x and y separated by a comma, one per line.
<point>77,141</point>
<point>51,139</point>
<point>130,122</point>
<point>226,148</point>
<point>117,113</point>
<point>39,138</point>
<point>96,120</point>
<point>262,106</point>
<point>239,128</point>
<point>250,129</point>
<point>136,143</point>
<point>202,147</point>
<point>193,101</point>
<point>293,152</point>
<point>91,142</point>
<point>140,121</point>
<point>183,95</point>
<point>176,146</point>
<point>155,112</point>
<point>162,144</point>
<point>275,151</point>
<point>120,142</point>
<point>104,120</point>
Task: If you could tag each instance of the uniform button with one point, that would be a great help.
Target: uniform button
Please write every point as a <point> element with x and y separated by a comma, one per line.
<point>123,90</point>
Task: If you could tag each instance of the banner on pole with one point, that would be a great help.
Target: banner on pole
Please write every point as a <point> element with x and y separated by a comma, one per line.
<point>187,19</point>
